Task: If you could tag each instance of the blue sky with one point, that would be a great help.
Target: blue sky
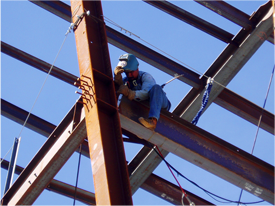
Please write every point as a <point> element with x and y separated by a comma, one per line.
<point>40,33</point>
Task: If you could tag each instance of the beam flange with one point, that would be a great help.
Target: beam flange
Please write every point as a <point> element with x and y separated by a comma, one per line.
<point>135,180</point>
<point>192,20</point>
<point>202,149</point>
<point>234,64</point>
<point>110,174</point>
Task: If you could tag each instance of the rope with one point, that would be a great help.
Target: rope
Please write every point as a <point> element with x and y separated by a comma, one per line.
<point>77,175</point>
<point>42,86</point>
<point>206,191</point>
<point>132,34</point>
<point>203,103</point>
<point>260,120</point>
<point>6,155</point>
<point>168,165</point>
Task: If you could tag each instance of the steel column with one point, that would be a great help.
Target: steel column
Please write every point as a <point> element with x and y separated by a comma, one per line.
<point>111,179</point>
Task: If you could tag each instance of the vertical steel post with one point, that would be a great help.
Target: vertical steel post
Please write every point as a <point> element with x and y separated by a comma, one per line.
<point>12,163</point>
<point>111,179</point>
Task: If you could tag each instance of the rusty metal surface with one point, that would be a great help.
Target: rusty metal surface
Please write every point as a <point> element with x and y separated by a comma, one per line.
<point>192,78</point>
<point>37,63</point>
<point>110,174</point>
<point>46,163</point>
<point>170,192</point>
<point>60,187</point>
<point>132,166</point>
<point>236,105</point>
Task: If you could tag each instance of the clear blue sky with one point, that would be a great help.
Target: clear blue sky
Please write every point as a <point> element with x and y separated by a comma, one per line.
<point>40,33</point>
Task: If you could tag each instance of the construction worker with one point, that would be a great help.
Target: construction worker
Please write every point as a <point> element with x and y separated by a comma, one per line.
<point>139,86</point>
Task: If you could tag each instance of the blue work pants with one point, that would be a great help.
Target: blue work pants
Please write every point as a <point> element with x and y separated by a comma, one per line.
<point>158,100</point>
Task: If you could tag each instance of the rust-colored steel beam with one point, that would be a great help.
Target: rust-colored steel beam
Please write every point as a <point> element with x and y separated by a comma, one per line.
<point>60,187</point>
<point>56,7</point>
<point>154,184</point>
<point>236,104</point>
<point>192,20</point>
<point>172,193</point>
<point>110,174</point>
<point>58,148</point>
<point>121,41</point>
<point>37,63</point>
<point>203,149</point>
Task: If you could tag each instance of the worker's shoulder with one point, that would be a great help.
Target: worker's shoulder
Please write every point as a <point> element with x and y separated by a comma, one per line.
<point>145,76</point>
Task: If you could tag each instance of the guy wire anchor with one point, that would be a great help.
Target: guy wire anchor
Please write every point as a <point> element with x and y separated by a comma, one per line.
<point>74,26</point>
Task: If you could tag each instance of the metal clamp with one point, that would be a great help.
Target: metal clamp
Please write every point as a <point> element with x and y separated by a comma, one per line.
<point>74,26</point>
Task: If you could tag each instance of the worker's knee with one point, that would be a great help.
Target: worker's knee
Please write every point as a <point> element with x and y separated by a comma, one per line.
<point>156,88</point>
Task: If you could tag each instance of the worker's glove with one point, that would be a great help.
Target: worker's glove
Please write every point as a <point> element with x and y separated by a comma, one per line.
<point>123,89</point>
<point>118,78</point>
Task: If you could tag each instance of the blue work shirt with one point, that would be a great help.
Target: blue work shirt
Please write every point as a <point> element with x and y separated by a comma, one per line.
<point>141,85</point>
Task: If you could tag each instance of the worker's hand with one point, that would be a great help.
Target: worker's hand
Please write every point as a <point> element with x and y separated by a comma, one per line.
<point>118,70</point>
<point>123,89</point>
<point>118,78</point>
<point>131,94</point>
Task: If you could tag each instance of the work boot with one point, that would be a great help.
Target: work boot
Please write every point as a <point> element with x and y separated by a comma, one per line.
<point>150,123</point>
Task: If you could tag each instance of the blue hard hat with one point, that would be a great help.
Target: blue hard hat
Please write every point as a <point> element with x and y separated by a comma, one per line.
<point>128,62</point>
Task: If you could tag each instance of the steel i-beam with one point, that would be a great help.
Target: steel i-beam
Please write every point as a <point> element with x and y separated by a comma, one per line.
<point>203,149</point>
<point>58,148</point>
<point>111,179</point>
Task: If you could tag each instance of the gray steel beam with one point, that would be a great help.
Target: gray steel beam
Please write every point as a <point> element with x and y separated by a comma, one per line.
<point>234,64</point>
<point>233,14</point>
<point>140,170</point>
<point>229,12</point>
<point>192,20</point>
<point>203,149</point>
